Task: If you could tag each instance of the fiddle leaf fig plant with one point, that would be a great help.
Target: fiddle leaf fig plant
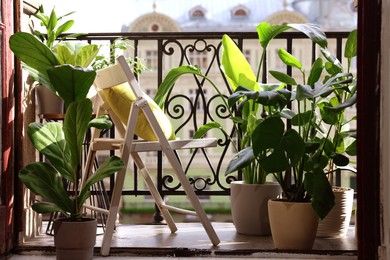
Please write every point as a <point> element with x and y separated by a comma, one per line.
<point>53,28</point>
<point>62,145</point>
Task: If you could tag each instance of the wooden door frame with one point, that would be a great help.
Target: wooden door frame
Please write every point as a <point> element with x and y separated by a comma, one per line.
<point>368,110</point>
<point>7,129</point>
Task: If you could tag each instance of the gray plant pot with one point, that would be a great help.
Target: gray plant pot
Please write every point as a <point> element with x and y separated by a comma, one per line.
<point>74,239</point>
<point>48,102</point>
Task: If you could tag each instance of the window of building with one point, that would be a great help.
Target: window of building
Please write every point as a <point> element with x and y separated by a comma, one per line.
<point>199,59</point>
<point>199,104</point>
<point>240,12</point>
<point>198,12</point>
<point>151,59</point>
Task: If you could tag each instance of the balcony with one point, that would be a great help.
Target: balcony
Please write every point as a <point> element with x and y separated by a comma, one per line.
<point>191,104</point>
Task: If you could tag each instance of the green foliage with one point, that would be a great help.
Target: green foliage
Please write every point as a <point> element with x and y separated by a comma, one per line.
<point>316,144</point>
<point>53,27</point>
<point>61,144</point>
<point>120,44</point>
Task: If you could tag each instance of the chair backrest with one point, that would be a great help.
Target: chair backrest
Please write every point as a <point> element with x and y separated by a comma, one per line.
<point>119,89</point>
<point>118,74</point>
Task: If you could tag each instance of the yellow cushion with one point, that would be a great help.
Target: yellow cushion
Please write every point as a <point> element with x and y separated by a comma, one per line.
<point>120,98</point>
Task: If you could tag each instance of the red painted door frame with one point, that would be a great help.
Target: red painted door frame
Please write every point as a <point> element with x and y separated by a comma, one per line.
<point>7,133</point>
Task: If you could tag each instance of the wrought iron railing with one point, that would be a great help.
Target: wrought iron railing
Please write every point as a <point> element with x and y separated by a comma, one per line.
<point>193,102</point>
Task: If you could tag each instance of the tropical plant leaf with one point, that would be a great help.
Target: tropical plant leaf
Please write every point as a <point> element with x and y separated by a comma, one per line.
<point>283,77</point>
<point>71,83</point>
<point>44,180</point>
<point>170,80</point>
<point>205,128</point>
<point>289,59</point>
<point>38,57</point>
<point>242,159</point>
<point>47,207</point>
<point>350,50</point>
<point>318,187</point>
<point>111,165</point>
<point>312,31</point>
<point>266,32</point>
<point>76,122</point>
<point>101,122</point>
<point>315,72</point>
<point>235,66</point>
<point>49,140</point>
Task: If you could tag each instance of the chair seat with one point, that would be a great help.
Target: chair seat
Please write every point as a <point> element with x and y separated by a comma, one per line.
<point>148,146</point>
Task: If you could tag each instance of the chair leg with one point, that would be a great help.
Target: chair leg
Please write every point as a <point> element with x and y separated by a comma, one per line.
<point>154,192</point>
<point>112,216</point>
<point>192,196</point>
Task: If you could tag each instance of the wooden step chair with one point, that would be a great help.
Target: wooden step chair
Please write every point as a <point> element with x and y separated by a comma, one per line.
<point>158,136</point>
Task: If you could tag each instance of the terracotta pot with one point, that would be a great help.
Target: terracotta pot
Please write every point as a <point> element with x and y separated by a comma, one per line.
<point>293,224</point>
<point>336,223</point>
<point>249,206</point>
<point>47,101</point>
<point>74,239</point>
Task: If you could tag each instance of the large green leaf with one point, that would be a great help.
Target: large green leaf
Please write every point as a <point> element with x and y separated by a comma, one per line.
<point>170,80</point>
<point>315,72</point>
<point>242,159</point>
<point>235,66</point>
<point>44,180</point>
<point>111,165</point>
<point>205,128</point>
<point>76,123</point>
<point>282,149</point>
<point>71,83</point>
<point>50,141</point>
<point>266,32</point>
<point>318,187</point>
<point>34,54</point>
<point>46,207</point>
<point>350,50</point>
<point>283,77</point>
<point>312,31</point>
<point>289,59</point>
<point>76,54</point>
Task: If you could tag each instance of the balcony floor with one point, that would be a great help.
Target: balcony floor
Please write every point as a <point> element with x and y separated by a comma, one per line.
<point>138,241</point>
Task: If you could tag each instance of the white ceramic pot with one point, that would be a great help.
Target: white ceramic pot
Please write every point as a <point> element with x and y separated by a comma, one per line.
<point>293,224</point>
<point>336,223</point>
<point>249,206</point>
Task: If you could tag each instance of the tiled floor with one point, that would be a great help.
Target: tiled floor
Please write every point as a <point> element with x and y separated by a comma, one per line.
<point>148,242</point>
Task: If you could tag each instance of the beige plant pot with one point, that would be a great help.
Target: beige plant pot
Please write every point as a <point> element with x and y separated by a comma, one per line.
<point>47,101</point>
<point>336,223</point>
<point>74,239</point>
<point>249,206</point>
<point>293,224</point>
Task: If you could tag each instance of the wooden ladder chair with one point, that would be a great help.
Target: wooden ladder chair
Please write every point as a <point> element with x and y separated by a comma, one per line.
<point>121,75</point>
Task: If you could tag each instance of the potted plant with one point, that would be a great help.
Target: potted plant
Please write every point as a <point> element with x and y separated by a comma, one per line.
<point>306,149</point>
<point>73,53</point>
<point>61,144</point>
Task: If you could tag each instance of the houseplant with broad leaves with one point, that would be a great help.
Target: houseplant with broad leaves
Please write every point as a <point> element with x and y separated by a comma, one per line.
<point>61,144</point>
<point>28,47</point>
<point>304,152</point>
